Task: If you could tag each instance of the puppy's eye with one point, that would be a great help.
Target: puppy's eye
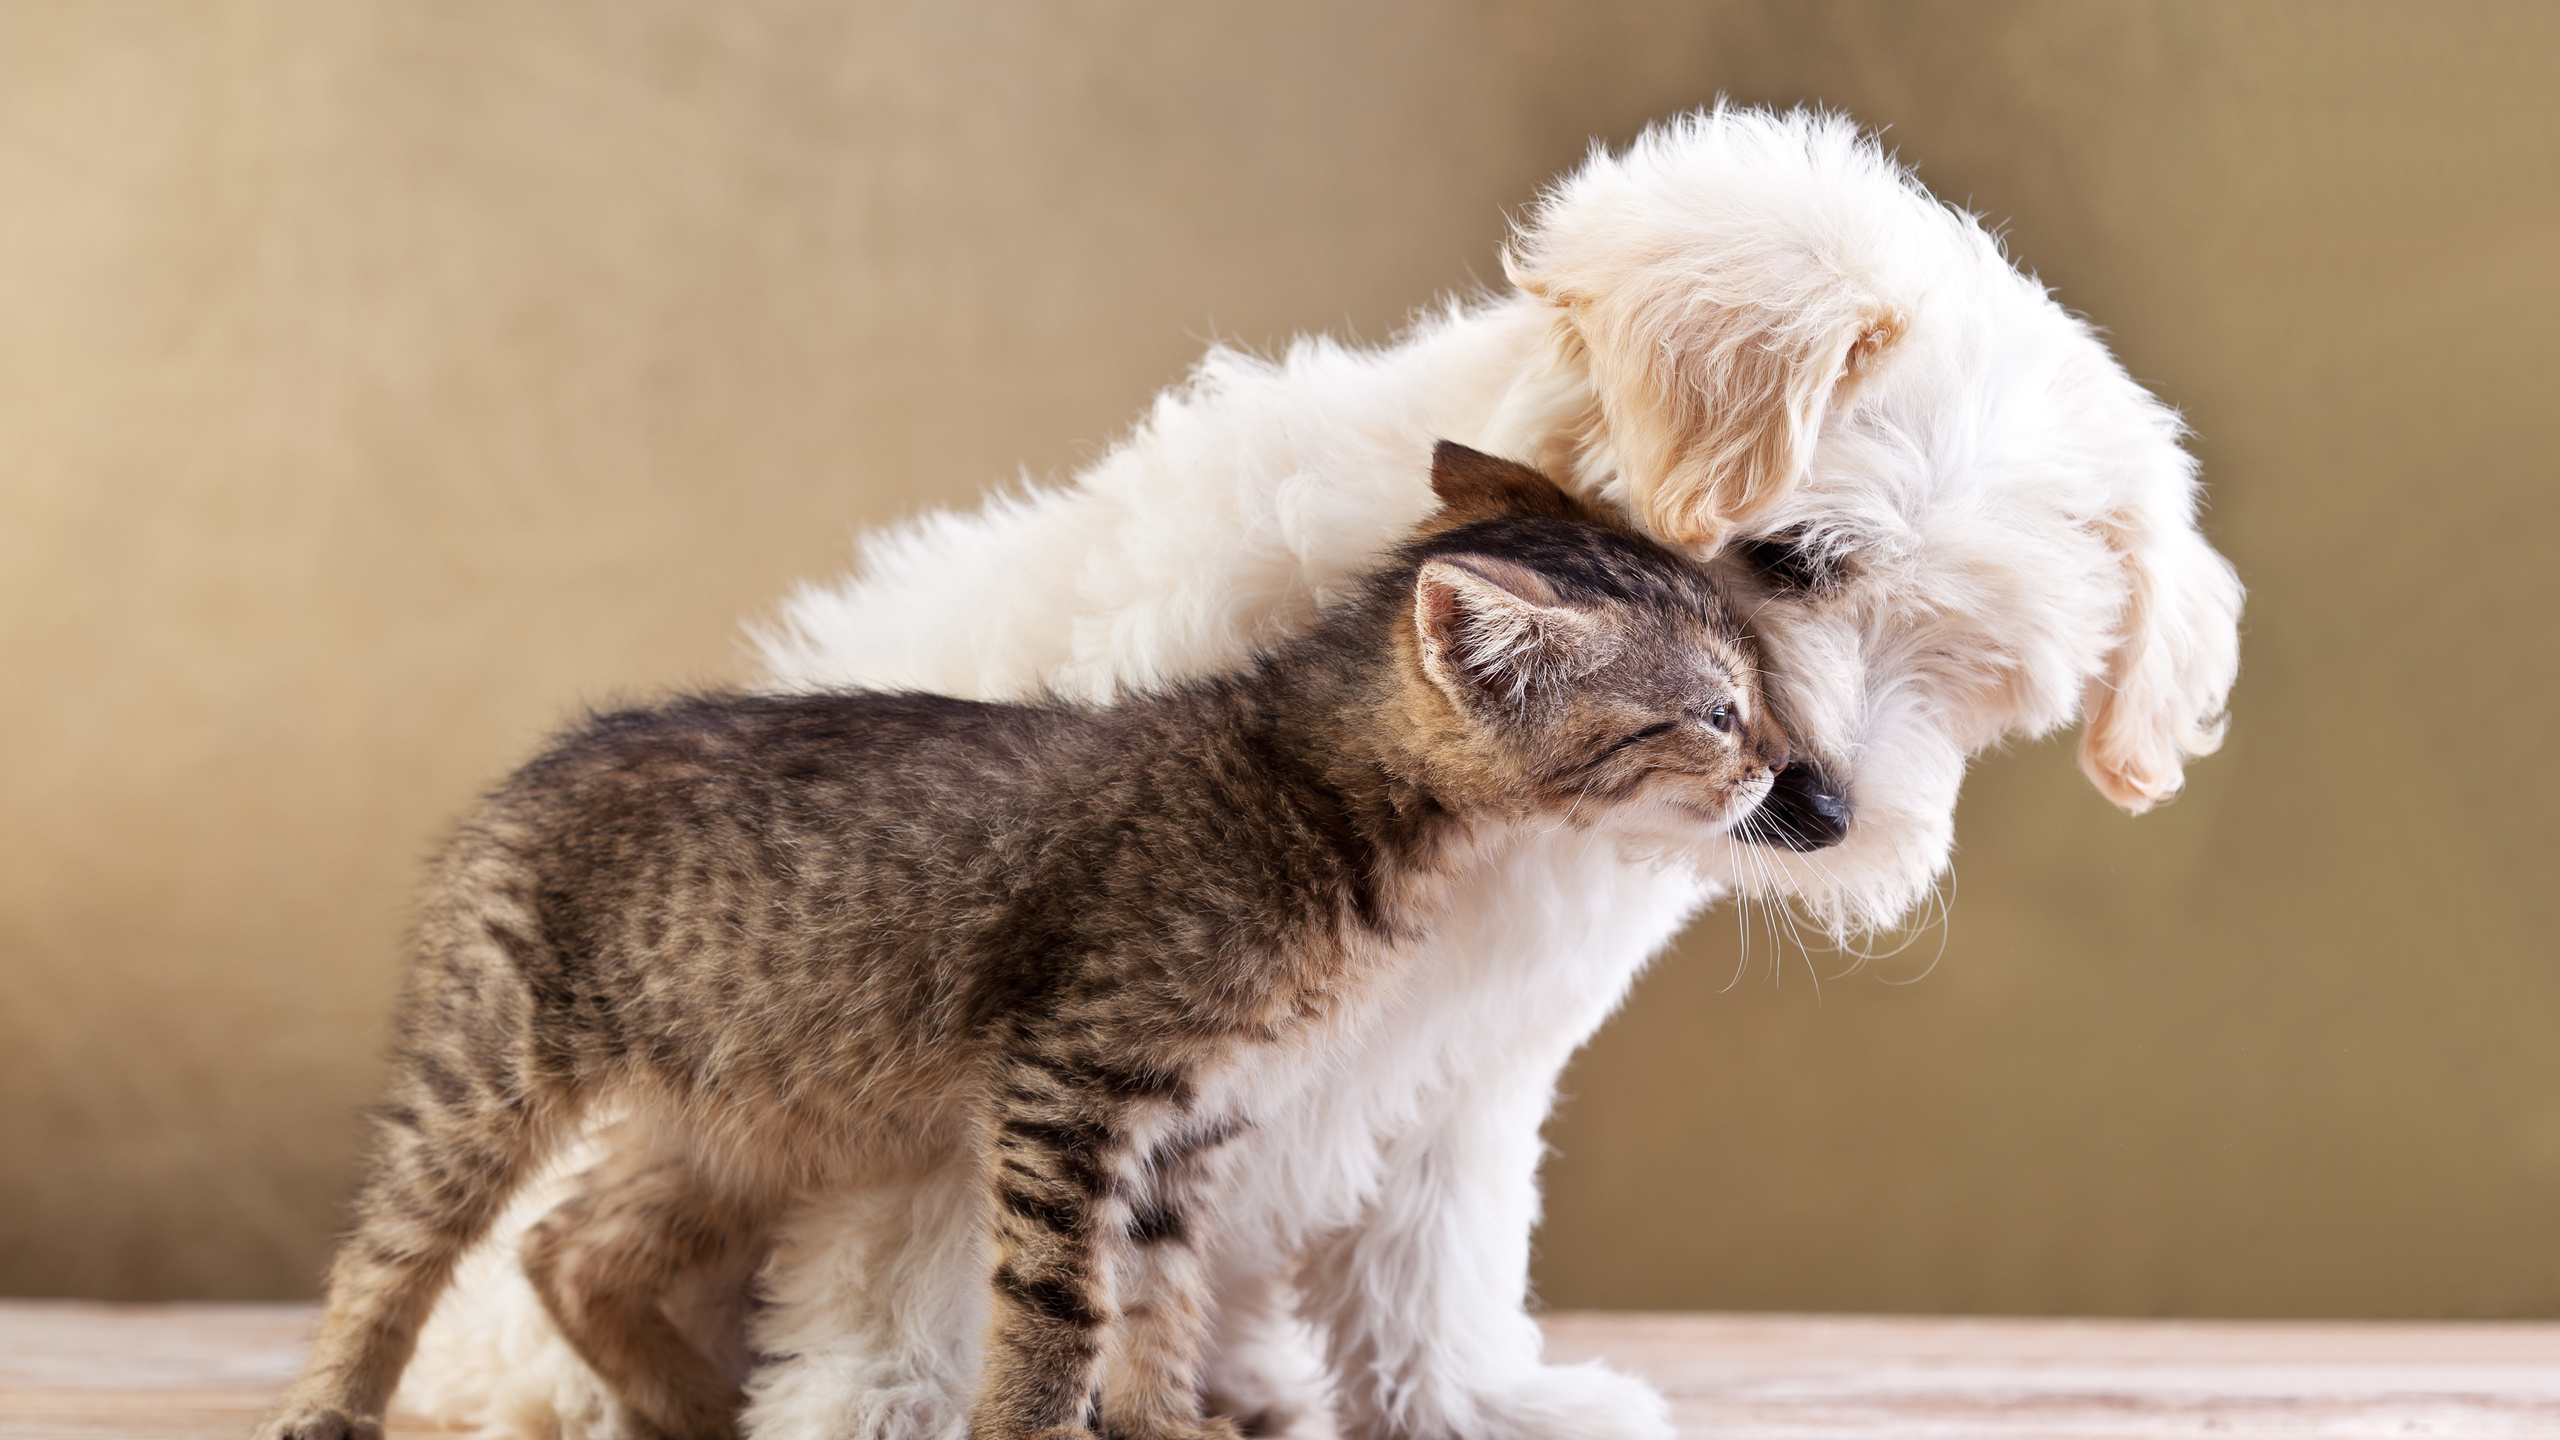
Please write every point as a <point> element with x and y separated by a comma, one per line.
<point>1784,562</point>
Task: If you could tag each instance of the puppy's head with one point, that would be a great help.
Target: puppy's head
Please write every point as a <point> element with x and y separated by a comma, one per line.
<point>1946,512</point>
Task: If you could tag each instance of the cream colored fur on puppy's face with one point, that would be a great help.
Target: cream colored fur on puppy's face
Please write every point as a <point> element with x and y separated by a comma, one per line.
<point>1979,524</point>
<point>1943,510</point>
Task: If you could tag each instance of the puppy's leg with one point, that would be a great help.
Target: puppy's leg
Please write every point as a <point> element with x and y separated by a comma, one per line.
<point>1422,1299</point>
<point>1151,1379</point>
<point>1265,1365</point>
<point>876,1304</point>
<point>1424,1302</point>
<point>489,1359</point>
<point>605,1263</point>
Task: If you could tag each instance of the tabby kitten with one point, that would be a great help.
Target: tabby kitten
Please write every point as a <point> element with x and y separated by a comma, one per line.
<point>803,939</point>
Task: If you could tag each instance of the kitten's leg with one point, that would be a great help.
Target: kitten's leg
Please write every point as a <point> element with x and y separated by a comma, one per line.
<point>1151,1369</point>
<point>458,1132</point>
<point>1051,1157</point>
<point>604,1262</point>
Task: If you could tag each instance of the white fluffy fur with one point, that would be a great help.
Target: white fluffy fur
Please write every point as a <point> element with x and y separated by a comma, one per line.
<point>1744,325</point>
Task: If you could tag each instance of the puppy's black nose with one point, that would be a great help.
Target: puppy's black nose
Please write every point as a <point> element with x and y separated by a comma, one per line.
<point>1806,810</point>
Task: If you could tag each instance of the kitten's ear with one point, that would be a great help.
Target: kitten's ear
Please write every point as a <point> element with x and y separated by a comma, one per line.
<point>1492,628</point>
<point>1475,486</point>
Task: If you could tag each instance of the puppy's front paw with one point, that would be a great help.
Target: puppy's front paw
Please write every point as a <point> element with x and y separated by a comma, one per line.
<point>1576,1402</point>
<point>320,1422</point>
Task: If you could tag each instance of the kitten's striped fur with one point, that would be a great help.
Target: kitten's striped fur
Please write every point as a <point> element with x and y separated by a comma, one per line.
<point>802,939</point>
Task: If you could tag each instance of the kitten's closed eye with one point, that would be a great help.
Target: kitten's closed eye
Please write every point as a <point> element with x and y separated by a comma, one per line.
<point>1719,718</point>
<point>1636,738</point>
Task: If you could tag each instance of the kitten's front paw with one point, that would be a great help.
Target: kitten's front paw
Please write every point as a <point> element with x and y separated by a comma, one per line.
<point>320,1422</point>
<point>1576,1402</point>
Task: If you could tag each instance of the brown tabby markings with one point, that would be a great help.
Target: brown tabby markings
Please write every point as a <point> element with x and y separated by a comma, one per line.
<point>802,939</point>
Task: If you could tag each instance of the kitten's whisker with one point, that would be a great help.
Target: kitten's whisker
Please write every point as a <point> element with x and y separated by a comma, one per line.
<point>1742,922</point>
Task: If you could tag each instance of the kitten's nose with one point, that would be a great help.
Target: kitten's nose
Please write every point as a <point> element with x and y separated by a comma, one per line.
<point>1806,810</point>
<point>1771,747</point>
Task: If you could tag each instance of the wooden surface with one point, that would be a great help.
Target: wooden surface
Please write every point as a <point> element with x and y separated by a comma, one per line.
<point>69,1369</point>
<point>1769,1377</point>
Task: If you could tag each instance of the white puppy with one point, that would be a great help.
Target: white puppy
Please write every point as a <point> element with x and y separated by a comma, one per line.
<point>1952,518</point>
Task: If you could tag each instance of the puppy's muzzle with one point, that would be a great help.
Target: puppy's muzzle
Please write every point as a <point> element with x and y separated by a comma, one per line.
<point>1806,809</point>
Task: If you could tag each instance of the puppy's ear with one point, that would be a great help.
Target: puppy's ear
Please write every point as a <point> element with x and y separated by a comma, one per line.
<point>1491,629</point>
<point>1723,283</point>
<point>1474,485</point>
<point>2160,699</point>
<point>1712,386</point>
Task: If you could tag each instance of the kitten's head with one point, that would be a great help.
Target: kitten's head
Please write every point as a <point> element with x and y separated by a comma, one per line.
<point>1561,663</point>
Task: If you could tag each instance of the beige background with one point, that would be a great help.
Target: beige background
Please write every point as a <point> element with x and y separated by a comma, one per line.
<point>378,383</point>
